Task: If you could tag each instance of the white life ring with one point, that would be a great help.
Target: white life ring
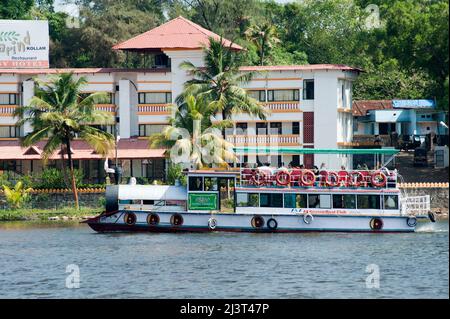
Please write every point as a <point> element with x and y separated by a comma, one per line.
<point>308,218</point>
<point>212,223</point>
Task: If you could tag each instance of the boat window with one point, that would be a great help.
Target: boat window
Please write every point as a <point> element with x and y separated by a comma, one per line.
<point>313,201</point>
<point>195,183</point>
<point>130,201</point>
<point>270,200</point>
<point>295,200</point>
<point>210,183</point>
<point>325,201</point>
<point>247,199</point>
<point>390,202</point>
<point>344,201</point>
<point>148,202</point>
<point>319,201</point>
<point>368,201</point>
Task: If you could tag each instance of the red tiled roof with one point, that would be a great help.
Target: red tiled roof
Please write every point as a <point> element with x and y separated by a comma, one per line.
<point>80,70</point>
<point>128,148</point>
<point>361,107</point>
<point>179,33</point>
<point>305,67</point>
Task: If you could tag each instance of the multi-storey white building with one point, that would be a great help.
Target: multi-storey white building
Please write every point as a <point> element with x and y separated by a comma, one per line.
<point>310,105</point>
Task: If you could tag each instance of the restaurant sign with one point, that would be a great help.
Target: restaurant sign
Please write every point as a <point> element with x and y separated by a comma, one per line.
<point>202,201</point>
<point>24,44</point>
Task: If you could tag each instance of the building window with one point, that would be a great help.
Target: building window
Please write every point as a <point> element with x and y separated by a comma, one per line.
<point>155,97</point>
<point>282,95</point>
<point>9,131</point>
<point>275,128</point>
<point>241,128</point>
<point>296,128</point>
<point>150,129</point>
<point>259,95</point>
<point>261,128</point>
<point>308,89</point>
<point>108,99</point>
<point>8,99</point>
<point>105,128</point>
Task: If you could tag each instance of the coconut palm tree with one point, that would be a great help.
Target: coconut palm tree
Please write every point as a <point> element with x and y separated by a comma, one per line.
<point>220,83</point>
<point>191,137</point>
<point>264,37</point>
<point>59,113</point>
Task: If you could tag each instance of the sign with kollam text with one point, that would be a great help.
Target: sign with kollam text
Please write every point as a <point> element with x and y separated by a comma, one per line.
<point>202,201</point>
<point>24,44</point>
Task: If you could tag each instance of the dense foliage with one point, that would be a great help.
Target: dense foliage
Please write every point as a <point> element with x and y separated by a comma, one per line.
<point>404,52</point>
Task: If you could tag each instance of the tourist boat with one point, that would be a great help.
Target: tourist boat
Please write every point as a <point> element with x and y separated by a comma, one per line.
<point>277,200</point>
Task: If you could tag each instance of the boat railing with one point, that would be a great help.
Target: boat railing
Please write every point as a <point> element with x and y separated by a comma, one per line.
<point>292,177</point>
<point>415,205</point>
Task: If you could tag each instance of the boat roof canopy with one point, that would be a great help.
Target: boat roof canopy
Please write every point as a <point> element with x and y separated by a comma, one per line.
<point>282,150</point>
<point>155,192</point>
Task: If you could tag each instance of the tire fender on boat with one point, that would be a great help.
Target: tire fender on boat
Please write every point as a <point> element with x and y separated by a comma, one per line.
<point>376,223</point>
<point>308,218</point>
<point>257,221</point>
<point>176,220</point>
<point>212,223</point>
<point>411,221</point>
<point>152,219</point>
<point>129,219</point>
<point>272,223</point>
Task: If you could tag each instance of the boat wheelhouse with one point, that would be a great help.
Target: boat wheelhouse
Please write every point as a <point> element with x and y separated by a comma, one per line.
<point>266,199</point>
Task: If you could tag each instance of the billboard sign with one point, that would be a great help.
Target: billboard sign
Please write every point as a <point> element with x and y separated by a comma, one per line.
<point>24,44</point>
<point>413,104</point>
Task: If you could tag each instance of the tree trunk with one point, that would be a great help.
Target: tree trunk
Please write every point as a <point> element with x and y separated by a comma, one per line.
<point>64,167</point>
<point>224,115</point>
<point>72,175</point>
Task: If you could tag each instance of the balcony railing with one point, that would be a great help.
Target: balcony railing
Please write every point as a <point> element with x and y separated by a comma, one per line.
<point>282,107</point>
<point>280,140</point>
<point>271,176</point>
<point>153,109</point>
<point>111,108</point>
<point>7,110</point>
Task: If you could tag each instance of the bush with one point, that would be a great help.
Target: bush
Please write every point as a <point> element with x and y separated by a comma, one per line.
<point>54,178</point>
<point>175,172</point>
<point>17,195</point>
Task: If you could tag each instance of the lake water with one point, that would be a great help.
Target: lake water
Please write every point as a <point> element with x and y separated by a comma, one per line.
<point>34,258</point>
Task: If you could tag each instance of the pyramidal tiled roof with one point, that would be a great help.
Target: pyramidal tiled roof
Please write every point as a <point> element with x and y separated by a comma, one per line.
<point>179,33</point>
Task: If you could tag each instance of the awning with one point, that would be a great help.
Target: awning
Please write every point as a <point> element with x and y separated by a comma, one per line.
<point>127,149</point>
<point>295,151</point>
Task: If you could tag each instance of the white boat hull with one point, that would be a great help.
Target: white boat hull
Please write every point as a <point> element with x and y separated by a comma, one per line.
<point>245,222</point>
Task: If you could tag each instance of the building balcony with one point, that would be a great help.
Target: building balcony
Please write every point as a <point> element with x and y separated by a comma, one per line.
<point>7,110</point>
<point>110,108</point>
<point>153,109</point>
<point>282,107</point>
<point>272,140</point>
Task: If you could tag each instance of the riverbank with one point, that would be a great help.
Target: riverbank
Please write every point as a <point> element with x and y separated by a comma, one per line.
<point>63,214</point>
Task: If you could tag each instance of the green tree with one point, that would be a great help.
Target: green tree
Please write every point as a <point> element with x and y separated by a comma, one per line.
<point>190,136</point>
<point>59,113</point>
<point>220,83</point>
<point>264,37</point>
<point>14,9</point>
<point>17,195</point>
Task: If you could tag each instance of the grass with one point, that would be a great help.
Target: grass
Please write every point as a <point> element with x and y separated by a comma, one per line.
<point>44,214</point>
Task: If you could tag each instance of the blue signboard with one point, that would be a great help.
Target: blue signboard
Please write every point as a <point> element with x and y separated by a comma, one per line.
<point>413,104</point>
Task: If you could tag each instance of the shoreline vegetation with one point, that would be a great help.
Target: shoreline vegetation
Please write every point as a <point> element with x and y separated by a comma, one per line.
<point>37,214</point>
